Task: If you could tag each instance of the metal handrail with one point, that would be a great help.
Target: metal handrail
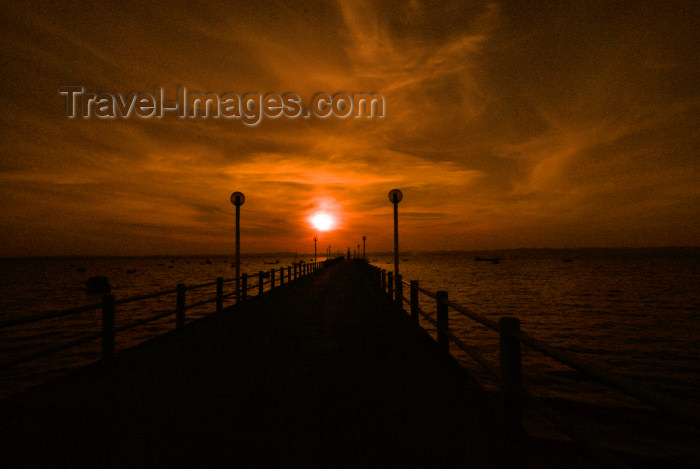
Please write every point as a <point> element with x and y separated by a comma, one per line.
<point>146,296</point>
<point>229,295</point>
<point>81,309</point>
<point>141,322</point>
<point>201,285</point>
<point>427,293</point>
<point>49,315</point>
<point>114,302</point>
<point>686,411</point>
<point>471,351</point>
<point>50,350</point>
<point>472,315</point>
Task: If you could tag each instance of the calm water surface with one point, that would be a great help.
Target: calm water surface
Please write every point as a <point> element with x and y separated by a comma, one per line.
<point>635,311</point>
<point>33,285</point>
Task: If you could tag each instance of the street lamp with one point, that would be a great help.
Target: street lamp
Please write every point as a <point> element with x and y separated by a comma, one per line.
<point>395,197</point>
<point>238,199</point>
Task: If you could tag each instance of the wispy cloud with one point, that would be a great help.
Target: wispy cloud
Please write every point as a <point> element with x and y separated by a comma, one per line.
<point>506,125</point>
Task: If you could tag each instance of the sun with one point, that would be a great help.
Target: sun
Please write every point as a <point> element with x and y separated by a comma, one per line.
<point>322,221</point>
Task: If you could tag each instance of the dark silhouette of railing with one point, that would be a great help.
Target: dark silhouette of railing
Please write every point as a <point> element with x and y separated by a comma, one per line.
<point>266,282</point>
<point>509,372</point>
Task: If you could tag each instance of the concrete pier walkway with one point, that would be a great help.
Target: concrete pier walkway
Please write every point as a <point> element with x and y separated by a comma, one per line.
<point>318,373</point>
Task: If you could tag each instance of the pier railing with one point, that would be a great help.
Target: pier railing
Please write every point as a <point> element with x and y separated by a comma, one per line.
<point>508,373</point>
<point>266,281</point>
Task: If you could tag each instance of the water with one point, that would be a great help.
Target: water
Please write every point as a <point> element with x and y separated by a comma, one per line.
<point>635,311</point>
<point>30,286</point>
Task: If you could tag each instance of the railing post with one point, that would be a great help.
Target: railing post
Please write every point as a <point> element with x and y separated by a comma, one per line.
<point>272,278</point>
<point>289,273</point>
<point>443,323</point>
<point>414,300</point>
<point>511,376</point>
<point>219,294</point>
<point>261,280</point>
<point>281,276</point>
<point>383,280</point>
<point>399,293</point>
<point>244,287</point>
<point>180,308</point>
<point>108,313</point>
<point>295,270</point>
<point>390,284</point>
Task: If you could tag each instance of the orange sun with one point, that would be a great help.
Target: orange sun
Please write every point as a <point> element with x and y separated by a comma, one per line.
<point>322,221</point>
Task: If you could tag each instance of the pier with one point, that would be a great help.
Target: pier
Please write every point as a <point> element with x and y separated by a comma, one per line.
<point>321,372</point>
<point>324,369</point>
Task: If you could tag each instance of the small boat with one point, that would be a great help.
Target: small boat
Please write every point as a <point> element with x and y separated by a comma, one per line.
<point>495,260</point>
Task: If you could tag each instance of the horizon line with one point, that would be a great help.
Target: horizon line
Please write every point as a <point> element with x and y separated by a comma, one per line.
<point>342,253</point>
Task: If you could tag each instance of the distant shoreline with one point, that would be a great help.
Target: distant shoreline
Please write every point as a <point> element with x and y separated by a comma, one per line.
<point>684,251</point>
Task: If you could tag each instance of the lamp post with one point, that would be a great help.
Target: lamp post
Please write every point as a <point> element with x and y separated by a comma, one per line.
<point>364,239</point>
<point>238,199</point>
<point>315,239</point>
<point>395,197</point>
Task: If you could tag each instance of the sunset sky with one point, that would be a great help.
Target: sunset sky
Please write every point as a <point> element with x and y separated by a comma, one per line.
<point>508,124</point>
